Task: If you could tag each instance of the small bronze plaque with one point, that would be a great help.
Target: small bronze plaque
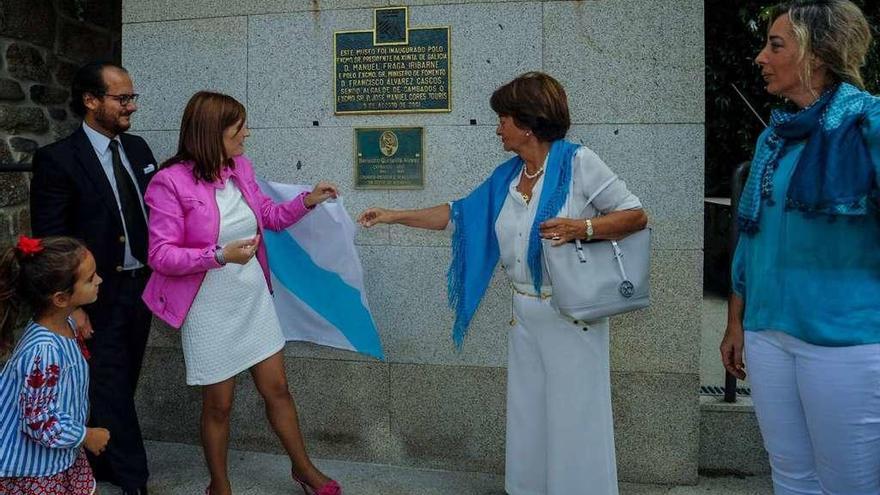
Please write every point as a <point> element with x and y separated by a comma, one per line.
<point>389,158</point>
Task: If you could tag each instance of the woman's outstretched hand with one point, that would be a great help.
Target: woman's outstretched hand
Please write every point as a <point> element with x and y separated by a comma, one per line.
<point>321,192</point>
<point>374,216</point>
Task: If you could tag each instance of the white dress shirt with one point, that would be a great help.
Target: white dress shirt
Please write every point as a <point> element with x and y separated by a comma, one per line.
<point>594,190</point>
<point>101,144</point>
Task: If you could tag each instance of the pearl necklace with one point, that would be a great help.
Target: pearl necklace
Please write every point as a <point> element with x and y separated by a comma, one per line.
<point>532,176</point>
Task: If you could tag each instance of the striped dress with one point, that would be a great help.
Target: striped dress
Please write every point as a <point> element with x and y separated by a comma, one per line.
<point>44,389</point>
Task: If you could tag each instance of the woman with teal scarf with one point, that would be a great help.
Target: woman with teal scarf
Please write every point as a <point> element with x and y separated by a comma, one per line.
<point>560,437</point>
<point>805,307</point>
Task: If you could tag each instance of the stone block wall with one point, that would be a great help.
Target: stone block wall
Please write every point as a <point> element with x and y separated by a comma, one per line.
<point>634,73</point>
<point>42,42</point>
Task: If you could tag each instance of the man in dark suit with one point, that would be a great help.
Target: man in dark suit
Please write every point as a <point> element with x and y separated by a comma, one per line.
<point>90,185</point>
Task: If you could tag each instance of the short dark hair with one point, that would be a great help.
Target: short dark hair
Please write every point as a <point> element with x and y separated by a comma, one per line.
<point>89,79</point>
<point>535,101</point>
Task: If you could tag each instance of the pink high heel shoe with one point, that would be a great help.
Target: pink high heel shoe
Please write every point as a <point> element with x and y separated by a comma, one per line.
<point>329,488</point>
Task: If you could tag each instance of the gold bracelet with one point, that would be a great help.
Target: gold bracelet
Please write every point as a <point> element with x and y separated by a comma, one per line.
<point>588,223</point>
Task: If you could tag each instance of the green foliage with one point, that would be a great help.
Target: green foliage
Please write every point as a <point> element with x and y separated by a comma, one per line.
<point>735,32</point>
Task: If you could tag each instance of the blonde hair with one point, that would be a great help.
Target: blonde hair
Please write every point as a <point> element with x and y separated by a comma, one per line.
<point>835,31</point>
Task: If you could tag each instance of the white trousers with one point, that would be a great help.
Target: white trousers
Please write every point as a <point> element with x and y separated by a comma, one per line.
<point>819,413</point>
<point>560,431</point>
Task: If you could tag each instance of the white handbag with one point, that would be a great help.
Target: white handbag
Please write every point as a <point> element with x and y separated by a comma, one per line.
<point>592,280</point>
<point>595,279</point>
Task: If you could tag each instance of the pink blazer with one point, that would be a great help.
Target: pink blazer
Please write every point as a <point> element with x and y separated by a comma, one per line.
<point>184,225</point>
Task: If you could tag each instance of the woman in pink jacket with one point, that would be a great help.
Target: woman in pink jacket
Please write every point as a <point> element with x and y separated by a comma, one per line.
<point>207,214</point>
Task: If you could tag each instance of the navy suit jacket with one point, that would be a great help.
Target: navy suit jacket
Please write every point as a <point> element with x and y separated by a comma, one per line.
<point>71,195</point>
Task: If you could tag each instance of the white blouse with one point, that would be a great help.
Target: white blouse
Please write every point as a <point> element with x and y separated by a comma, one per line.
<point>594,190</point>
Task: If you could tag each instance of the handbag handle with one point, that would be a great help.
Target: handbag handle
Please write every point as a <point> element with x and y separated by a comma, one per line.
<point>579,249</point>
<point>578,244</point>
<point>618,255</point>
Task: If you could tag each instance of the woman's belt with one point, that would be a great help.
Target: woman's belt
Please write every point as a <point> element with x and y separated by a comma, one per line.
<point>529,290</point>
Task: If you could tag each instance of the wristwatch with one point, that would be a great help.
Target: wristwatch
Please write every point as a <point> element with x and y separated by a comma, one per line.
<point>218,255</point>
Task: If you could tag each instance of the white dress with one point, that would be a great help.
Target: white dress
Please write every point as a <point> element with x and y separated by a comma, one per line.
<point>232,324</point>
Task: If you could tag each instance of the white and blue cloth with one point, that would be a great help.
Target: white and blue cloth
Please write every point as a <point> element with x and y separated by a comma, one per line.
<point>317,278</point>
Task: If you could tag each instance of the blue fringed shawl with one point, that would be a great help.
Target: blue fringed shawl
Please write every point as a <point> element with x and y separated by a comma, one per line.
<point>834,174</point>
<point>475,250</point>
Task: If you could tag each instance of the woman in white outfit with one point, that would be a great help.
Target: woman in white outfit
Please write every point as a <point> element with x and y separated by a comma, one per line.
<point>207,215</point>
<point>560,436</point>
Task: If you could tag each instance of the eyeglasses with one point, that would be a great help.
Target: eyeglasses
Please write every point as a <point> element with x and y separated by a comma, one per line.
<point>124,100</point>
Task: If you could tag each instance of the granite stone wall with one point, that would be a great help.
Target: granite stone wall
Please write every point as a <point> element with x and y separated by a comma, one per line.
<point>634,72</point>
<point>41,44</point>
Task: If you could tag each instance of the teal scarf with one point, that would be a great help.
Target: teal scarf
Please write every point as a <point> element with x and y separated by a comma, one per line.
<point>475,250</point>
<point>834,174</point>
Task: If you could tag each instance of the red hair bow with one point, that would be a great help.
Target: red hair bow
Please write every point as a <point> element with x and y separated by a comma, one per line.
<point>29,246</point>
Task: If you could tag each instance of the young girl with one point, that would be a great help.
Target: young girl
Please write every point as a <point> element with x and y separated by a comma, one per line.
<point>44,386</point>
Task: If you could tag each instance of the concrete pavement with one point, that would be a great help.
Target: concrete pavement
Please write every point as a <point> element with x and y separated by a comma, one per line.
<point>178,469</point>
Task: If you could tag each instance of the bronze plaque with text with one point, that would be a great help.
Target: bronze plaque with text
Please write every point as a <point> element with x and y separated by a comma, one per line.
<point>389,158</point>
<point>393,68</point>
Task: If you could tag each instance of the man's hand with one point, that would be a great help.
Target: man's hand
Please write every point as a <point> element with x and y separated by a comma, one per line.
<point>83,324</point>
<point>96,440</point>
